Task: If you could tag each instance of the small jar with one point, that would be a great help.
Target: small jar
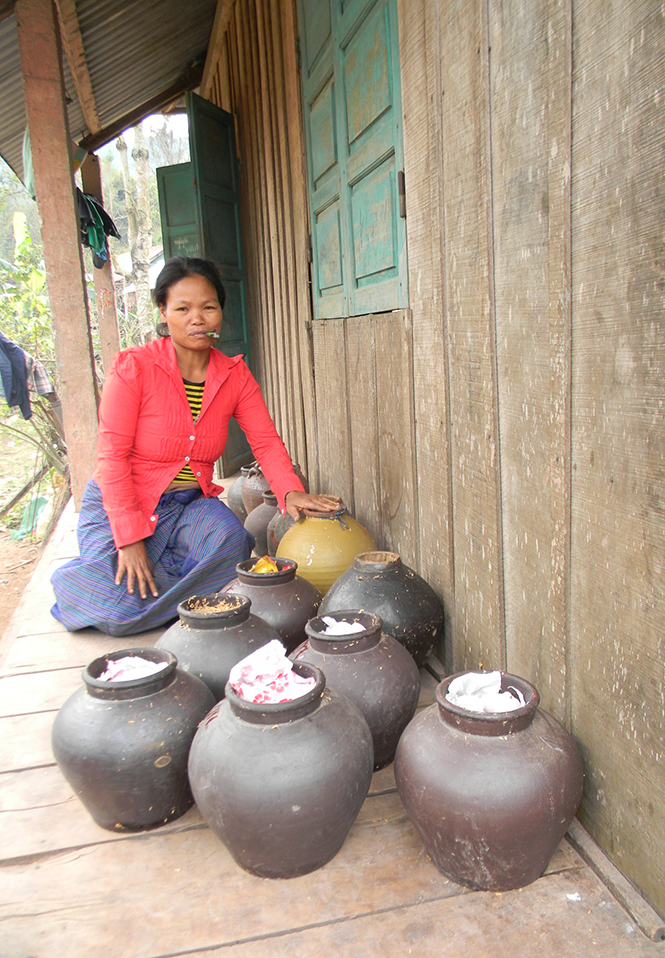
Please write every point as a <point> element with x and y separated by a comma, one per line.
<point>123,745</point>
<point>491,794</point>
<point>370,668</point>
<point>281,785</point>
<point>410,609</point>
<point>213,633</point>
<point>283,599</point>
<point>324,546</point>
<point>257,521</point>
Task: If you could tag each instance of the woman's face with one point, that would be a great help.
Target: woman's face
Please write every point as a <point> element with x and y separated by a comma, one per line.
<point>192,311</point>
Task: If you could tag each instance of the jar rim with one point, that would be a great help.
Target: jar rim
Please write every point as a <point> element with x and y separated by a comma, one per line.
<point>215,606</point>
<point>129,688</point>
<point>286,568</point>
<point>489,723</point>
<point>277,713</point>
<point>378,561</point>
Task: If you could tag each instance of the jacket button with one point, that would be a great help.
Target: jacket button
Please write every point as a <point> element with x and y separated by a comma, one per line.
<point>186,458</point>
<point>192,438</point>
<point>153,518</point>
<point>198,473</point>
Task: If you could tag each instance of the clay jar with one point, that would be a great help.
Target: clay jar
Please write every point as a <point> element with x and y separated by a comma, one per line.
<point>325,546</point>
<point>234,495</point>
<point>281,785</point>
<point>277,528</point>
<point>282,599</point>
<point>123,746</point>
<point>490,794</point>
<point>214,632</point>
<point>370,668</point>
<point>257,521</point>
<point>380,582</point>
<point>253,488</point>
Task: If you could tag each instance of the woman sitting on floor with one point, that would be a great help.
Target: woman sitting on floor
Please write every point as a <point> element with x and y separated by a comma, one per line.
<point>150,515</point>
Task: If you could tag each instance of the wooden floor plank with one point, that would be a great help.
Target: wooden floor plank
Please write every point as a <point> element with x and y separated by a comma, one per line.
<point>183,890</point>
<point>37,691</point>
<point>25,741</point>
<point>540,919</point>
<point>38,653</point>
<point>40,814</point>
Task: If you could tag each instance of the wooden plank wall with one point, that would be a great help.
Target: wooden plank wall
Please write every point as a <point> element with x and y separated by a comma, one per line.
<point>256,78</point>
<point>618,366</point>
<point>505,433</point>
<point>544,207</point>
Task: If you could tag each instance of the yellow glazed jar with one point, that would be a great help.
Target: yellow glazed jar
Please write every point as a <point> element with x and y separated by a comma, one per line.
<point>325,546</point>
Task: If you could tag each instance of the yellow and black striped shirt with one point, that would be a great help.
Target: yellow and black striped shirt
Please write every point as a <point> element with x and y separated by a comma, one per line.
<point>194,393</point>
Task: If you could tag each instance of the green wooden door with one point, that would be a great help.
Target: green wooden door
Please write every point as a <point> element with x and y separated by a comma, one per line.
<point>353,131</point>
<point>199,204</point>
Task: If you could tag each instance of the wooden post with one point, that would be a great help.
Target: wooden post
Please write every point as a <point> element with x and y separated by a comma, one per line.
<point>41,66</point>
<point>107,315</point>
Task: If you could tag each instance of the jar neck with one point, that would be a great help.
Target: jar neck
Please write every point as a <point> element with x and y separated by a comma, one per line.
<point>215,611</point>
<point>377,563</point>
<point>287,573</point>
<point>133,688</point>
<point>489,723</point>
<point>281,713</point>
<point>331,644</point>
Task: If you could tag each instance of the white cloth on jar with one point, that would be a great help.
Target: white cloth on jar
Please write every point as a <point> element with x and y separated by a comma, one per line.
<point>481,692</point>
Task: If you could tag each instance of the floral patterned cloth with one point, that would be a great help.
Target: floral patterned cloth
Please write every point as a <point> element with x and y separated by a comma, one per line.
<point>267,676</point>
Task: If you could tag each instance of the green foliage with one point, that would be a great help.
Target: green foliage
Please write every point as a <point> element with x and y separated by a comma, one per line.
<point>25,316</point>
<point>14,198</point>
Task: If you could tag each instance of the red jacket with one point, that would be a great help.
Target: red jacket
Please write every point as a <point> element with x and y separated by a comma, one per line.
<point>147,434</point>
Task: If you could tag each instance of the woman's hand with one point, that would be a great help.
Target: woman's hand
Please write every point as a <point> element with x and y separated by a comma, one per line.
<point>296,500</point>
<point>133,560</point>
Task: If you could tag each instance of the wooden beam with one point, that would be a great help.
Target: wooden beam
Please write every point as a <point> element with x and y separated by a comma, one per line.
<point>221,22</point>
<point>41,65</point>
<point>107,315</point>
<point>72,43</point>
<point>188,81</point>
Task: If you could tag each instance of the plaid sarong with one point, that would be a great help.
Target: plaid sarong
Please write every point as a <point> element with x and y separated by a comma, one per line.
<point>194,551</point>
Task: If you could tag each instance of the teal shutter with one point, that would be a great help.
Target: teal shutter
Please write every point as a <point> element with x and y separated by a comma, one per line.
<point>353,131</point>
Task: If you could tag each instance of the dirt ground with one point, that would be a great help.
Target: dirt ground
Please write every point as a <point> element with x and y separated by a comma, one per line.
<point>17,561</point>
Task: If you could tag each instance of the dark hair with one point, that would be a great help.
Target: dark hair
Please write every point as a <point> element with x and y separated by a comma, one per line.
<point>180,267</point>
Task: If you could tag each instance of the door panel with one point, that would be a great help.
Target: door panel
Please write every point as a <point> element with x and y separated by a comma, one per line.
<point>199,204</point>
<point>175,189</point>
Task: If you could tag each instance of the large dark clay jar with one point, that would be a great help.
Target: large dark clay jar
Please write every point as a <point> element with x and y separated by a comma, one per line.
<point>373,670</point>
<point>380,582</point>
<point>490,794</point>
<point>257,522</point>
<point>234,495</point>
<point>281,785</point>
<point>214,632</point>
<point>283,599</point>
<point>123,746</point>
<point>253,488</point>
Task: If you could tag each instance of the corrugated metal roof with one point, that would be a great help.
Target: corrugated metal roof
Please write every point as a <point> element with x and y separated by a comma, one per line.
<point>135,49</point>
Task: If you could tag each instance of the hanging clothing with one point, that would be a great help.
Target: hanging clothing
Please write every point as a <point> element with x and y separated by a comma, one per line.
<point>13,376</point>
<point>194,551</point>
<point>95,225</point>
<point>39,380</point>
